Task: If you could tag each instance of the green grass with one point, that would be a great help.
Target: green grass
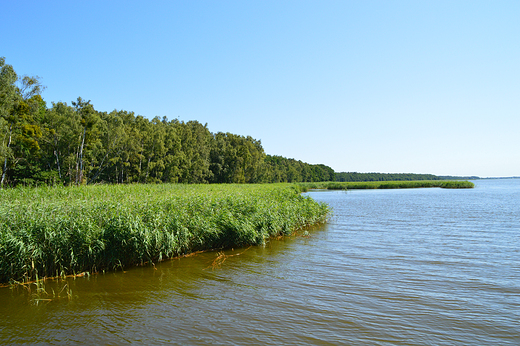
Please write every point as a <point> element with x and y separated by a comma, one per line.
<point>49,232</point>
<point>449,184</point>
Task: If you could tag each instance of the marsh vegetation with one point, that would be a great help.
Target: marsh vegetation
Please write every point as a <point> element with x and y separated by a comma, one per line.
<point>48,232</point>
<point>448,184</point>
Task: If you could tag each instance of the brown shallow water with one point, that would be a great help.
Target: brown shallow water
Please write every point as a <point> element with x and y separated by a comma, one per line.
<point>396,267</point>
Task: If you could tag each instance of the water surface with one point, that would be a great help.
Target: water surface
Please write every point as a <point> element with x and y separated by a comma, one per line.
<point>392,267</point>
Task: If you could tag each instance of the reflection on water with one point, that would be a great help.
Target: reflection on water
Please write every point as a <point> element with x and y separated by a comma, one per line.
<point>392,267</point>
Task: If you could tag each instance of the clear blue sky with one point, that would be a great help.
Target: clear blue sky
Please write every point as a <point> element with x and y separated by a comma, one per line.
<point>366,86</point>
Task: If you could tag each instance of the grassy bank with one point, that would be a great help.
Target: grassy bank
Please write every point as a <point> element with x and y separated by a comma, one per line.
<point>59,231</point>
<point>448,184</point>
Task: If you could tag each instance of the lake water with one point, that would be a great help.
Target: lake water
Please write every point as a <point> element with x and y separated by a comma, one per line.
<point>392,267</point>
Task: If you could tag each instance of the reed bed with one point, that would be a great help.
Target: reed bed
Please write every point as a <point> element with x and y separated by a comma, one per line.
<point>448,184</point>
<point>48,232</point>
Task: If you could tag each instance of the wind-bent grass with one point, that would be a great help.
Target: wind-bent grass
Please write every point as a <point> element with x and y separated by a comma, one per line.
<point>449,184</point>
<point>49,231</point>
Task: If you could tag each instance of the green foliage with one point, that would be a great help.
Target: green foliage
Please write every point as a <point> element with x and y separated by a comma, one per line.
<point>77,145</point>
<point>281,169</point>
<point>236,159</point>
<point>8,91</point>
<point>21,109</point>
<point>54,231</point>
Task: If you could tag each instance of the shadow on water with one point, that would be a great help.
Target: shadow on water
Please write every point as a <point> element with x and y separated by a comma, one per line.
<point>173,301</point>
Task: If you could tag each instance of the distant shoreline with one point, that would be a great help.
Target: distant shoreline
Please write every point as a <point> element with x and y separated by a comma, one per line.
<point>496,178</point>
<point>447,184</point>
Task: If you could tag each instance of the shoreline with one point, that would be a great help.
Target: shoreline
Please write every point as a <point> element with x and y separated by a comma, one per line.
<point>405,184</point>
<point>55,232</point>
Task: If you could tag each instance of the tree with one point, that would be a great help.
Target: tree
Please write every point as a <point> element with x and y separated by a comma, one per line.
<point>236,159</point>
<point>193,159</point>
<point>8,97</point>
<point>20,108</point>
<point>78,145</point>
<point>88,118</point>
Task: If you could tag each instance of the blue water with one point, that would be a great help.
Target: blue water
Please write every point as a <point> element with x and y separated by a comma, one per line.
<point>438,266</point>
<point>391,267</point>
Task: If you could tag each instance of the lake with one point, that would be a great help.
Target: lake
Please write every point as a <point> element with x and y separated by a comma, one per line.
<point>391,267</point>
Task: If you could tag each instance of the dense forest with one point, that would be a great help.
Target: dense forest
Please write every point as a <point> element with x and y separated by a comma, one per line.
<point>76,144</point>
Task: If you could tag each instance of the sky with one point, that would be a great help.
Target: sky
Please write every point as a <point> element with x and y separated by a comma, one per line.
<point>361,86</point>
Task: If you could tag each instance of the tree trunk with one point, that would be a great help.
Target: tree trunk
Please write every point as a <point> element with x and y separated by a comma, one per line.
<point>5,161</point>
<point>81,156</point>
<point>140,161</point>
<point>56,154</point>
<point>77,168</point>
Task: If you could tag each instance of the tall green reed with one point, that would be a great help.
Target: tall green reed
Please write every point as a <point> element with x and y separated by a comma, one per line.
<point>49,231</point>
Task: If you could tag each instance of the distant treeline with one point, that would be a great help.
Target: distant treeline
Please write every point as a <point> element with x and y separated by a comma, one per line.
<point>76,144</point>
<point>281,169</point>
<point>453,177</point>
<point>354,176</point>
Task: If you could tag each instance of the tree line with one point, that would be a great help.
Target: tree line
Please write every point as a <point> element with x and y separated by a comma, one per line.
<point>76,144</point>
<point>354,176</point>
